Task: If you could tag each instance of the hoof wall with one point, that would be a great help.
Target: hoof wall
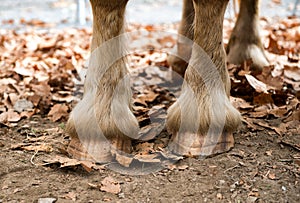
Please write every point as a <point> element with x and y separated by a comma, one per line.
<point>77,151</point>
<point>191,144</point>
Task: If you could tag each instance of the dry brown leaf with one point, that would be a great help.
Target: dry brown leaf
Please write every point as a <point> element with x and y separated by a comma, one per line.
<point>124,160</point>
<point>47,44</point>
<point>274,47</point>
<point>94,186</point>
<point>250,123</point>
<point>240,103</point>
<point>259,86</point>
<point>292,72</point>
<point>24,71</point>
<point>25,146</point>
<point>87,165</point>
<point>278,112</point>
<point>294,115</point>
<point>9,116</point>
<point>147,97</point>
<point>110,185</point>
<point>182,167</point>
<point>41,148</point>
<point>276,1</point>
<point>149,132</point>
<point>279,130</point>
<point>272,176</point>
<point>61,98</point>
<point>263,99</point>
<point>68,162</point>
<point>71,196</point>
<point>269,153</point>
<point>58,111</point>
<point>147,158</point>
<point>19,145</point>
<point>145,148</point>
<point>171,167</point>
<point>35,99</point>
<point>7,81</point>
<point>27,114</point>
<point>13,98</point>
<point>42,89</point>
<point>269,77</point>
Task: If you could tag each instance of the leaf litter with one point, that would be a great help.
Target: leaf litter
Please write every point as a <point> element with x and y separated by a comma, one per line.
<point>41,75</point>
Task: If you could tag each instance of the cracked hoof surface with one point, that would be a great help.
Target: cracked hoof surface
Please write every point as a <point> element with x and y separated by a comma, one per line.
<point>192,144</point>
<point>77,151</point>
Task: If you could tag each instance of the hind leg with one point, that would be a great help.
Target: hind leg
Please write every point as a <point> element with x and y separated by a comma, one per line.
<point>245,41</point>
<point>183,49</point>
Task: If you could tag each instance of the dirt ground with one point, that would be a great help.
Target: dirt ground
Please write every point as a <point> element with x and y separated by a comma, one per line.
<point>258,169</point>
<point>264,165</point>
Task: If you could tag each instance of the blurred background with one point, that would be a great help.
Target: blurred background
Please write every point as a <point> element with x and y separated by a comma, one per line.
<point>77,12</point>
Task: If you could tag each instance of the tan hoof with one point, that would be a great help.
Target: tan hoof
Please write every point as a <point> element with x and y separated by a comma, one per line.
<point>76,150</point>
<point>191,144</point>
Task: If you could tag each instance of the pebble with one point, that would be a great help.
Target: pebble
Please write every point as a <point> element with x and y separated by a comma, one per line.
<point>47,200</point>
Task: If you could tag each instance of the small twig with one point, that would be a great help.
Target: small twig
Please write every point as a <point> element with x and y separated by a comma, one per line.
<point>286,160</point>
<point>266,176</point>
<point>229,169</point>
<point>31,159</point>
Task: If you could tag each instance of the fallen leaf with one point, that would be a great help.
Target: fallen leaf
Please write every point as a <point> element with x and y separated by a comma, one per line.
<point>24,71</point>
<point>27,114</point>
<point>278,112</point>
<point>94,186</point>
<point>110,185</point>
<point>123,159</point>
<point>182,167</point>
<point>269,153</point>
<point>259,86</point>
<point>263,99</point>
<point>9,116</point>
<point>145,148</point>
<point>274,47</point>
<point>149,132</point>
<point>276,1</point>
<point>147,97</point>
<point>272,176</point>
<point>292,72</point>
<point>41,148</point>
<point>58,111</point>
<point>42,89</point>
<point>278,130</point>
<point>71,196</point>
<point>269,77</point>
<point>240,103</point>
<point>35,99</point>
<point>147,158</point>
<point>68,162</point>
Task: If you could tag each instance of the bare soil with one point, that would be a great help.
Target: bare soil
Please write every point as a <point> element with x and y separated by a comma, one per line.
<point>258,169</point>
<point>264,165</point>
